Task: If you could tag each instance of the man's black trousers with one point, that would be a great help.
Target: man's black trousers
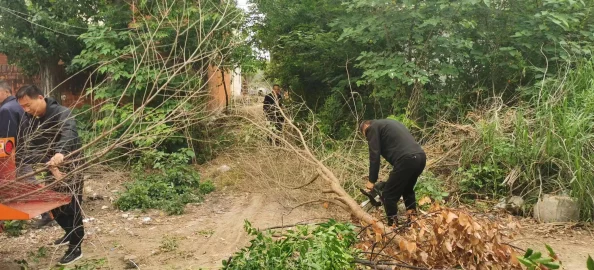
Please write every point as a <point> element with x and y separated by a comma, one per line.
<point>70,218</point>
<point>401,183</point>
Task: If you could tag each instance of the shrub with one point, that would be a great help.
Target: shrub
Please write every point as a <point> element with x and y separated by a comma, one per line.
<point>14,228</point>
<point>168,184</point>
<point>328,246</point>
<point>543,145</point>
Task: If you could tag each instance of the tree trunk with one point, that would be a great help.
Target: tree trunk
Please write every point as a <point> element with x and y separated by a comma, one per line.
<point>48,76</point>
<point>225,88</point>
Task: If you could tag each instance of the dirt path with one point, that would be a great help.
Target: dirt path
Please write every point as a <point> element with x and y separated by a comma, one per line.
<point>200,239</point>
<point>573,245</point>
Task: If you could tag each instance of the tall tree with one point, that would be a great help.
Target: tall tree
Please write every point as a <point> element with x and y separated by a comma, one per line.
<point>38,34</point>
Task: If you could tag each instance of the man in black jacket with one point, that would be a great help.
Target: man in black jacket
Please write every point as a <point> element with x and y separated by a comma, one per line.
<point>272,106</point>
<point>11,114</point>
<point>51,135</point>
<point>392,140</point>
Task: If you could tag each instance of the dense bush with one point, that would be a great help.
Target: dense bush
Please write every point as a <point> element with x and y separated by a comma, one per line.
<point>169,184</point>
<point>542,145</point>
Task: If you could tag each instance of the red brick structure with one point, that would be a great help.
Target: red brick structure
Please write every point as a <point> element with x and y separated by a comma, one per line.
<point>70,91</point>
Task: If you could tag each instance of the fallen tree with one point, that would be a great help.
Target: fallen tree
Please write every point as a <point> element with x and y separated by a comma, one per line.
<point>441,238</point>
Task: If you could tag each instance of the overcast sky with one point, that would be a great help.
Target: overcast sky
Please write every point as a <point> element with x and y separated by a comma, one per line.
<point>242,4</point>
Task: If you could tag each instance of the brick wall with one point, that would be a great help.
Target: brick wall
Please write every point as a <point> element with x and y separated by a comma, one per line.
<point>70,92</point>
<point>13,76</point>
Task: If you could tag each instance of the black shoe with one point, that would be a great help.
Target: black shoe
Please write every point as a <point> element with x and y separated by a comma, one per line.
<point>62,241</point>
<point>72,255</point>
<point>45,220</point>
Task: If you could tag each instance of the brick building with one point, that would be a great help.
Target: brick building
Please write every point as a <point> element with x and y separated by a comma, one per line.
<point>69,91</point>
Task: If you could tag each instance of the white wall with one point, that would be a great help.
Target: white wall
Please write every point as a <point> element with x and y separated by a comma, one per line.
<point>236,83</point>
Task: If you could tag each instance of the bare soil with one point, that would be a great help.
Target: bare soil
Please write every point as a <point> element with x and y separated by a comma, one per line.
<point>211,231</point>
<point>205,235</point>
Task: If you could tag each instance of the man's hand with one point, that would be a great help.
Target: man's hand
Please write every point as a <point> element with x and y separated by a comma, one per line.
<point>58,175</point>
<point>56,160</point>
<point>369,185</point>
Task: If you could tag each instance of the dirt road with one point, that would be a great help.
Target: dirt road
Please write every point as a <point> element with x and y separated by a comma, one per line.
<point>200,239</point>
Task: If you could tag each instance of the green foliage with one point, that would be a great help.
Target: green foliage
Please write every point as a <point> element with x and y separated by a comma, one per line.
<point>426,60</point>
<point>39,254</point>
<point>169,184</point>
<point>544,143</point>
<point>35,32</point>
<point>535,260</point>
<point>151,76</point>
<point>91,264</point>
<point>169,243</point>
<point>430,186</point>
<point>481,179</point>
<point>590,263</point>
<point>327,246</point>
<point>14,228</point>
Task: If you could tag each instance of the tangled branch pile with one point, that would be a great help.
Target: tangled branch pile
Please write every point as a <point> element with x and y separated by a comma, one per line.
<point>445,238</point>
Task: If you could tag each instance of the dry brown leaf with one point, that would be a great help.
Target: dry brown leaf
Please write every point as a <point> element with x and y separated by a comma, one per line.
<point>424,200</point>
<point>448,246</point>
<point>424,256</point>
<point>378,237</point>
<point>513,259</point>
<point>463,220</point>
<point>451,217</point>
<point>403,244</point>
<point>411,247</point>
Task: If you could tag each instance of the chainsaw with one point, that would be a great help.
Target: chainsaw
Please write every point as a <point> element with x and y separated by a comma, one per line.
<point>375,198</point>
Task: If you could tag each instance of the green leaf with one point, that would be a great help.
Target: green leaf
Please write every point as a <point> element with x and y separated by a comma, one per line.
<point>525,261</point>
<point>552,265</point>
<point>552,253</point>
<point>590,263</point>
<point>528,253</point>
<point>535,256</point>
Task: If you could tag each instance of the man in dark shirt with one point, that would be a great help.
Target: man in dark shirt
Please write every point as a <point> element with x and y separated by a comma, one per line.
<point>51,135</point>
<point>392,140</point>
<point>11,114</point>
<point>272,106</point>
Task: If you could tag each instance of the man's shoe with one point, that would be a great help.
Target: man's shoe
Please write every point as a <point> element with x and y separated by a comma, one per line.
<point>72,255</point>
<point>45,220</point>
<point>62,241</point>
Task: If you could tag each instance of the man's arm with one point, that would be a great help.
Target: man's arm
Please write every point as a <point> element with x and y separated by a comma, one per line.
<point>373,138</point>
<point>268,101</point>
<point>68,134</point>
<point>8,124</point>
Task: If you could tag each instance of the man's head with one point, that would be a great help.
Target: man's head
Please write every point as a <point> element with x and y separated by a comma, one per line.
<point>32,100</point>
<point>276,88</point>
<point>364,126</point>
<point>5,91</point>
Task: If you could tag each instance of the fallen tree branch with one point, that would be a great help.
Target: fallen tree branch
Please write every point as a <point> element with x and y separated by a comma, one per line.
<point>383,265</point>
<point>315,201</point>
<point>313,179</point>
<point>291,225</point>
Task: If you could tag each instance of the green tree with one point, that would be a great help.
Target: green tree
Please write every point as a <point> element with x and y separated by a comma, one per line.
<point>307,58</point>
<point>421,59</point>
<point>149,74</point>
<point>38,34</point>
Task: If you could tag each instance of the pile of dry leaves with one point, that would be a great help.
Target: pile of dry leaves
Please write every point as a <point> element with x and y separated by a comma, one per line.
<point>444,238</point>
